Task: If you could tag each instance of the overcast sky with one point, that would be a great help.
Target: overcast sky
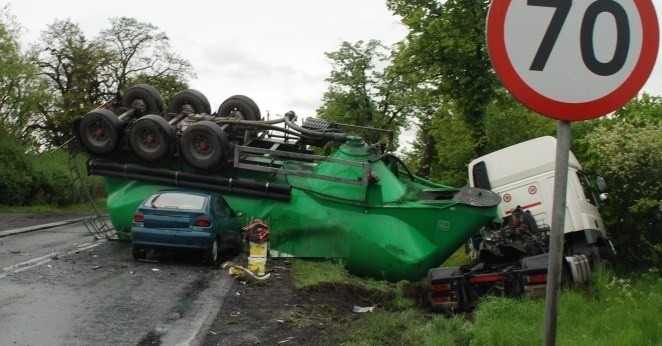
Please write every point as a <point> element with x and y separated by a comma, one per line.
<point>269,50</point>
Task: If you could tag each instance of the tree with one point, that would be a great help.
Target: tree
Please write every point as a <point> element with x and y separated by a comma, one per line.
<point>508,122</point>
<point>445,51</point>
<point>82,73</point>
<point>21,90</point>
<point>362,94</point>
<point>625,149</point>
<point>139,49</point>
<point>72,64</point>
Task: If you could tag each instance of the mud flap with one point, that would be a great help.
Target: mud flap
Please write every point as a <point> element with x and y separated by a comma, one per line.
<point>444,289</point>
<point>534,275</point>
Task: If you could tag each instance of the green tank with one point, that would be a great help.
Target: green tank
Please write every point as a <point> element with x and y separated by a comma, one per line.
<point>360,203</point>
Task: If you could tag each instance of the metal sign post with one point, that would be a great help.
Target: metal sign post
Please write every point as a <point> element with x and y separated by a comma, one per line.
<point>571,61</point>
<point>554,268</point>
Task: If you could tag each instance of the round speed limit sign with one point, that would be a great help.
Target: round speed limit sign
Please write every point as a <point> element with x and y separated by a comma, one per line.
<point>573,60</point>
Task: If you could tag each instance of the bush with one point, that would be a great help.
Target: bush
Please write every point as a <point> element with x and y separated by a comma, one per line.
<point>626,151</point>
<point>16,173</point>
<point>27,179</point>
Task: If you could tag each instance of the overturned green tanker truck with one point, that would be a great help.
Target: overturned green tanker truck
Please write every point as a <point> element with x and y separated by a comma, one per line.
<point>359,203</point>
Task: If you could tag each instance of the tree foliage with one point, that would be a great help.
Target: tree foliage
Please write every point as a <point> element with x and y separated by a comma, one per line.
<point>361,93</point>
<point>626,149</point>
<point>21,90</point>
<point>140,49</point>
<point>72,66</point>
<point>82,72</point>
<point>445,51</point>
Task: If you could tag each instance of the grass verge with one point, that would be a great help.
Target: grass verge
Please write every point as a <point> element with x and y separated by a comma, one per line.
<point>613,310</point>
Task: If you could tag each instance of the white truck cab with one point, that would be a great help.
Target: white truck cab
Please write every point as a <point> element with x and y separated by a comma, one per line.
<point>523,175</point>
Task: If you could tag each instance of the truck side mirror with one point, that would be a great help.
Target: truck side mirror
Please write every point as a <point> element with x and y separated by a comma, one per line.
<point>600,181</point>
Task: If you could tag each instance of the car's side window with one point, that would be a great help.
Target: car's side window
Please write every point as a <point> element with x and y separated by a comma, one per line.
<point>218,206</point>
<point>226,208</point>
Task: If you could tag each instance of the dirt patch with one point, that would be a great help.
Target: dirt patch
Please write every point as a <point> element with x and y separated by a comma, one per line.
<point>275,312</point>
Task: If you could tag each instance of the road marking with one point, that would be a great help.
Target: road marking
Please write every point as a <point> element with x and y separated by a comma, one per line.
<point>19,267</point>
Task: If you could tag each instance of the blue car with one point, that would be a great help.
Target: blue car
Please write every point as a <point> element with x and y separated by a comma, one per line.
<point>176,219</point>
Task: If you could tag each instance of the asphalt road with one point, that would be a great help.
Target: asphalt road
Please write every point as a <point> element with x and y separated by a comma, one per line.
<point>60,286</point>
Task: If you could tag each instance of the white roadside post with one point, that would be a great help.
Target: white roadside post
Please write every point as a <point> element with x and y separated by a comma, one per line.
<point>570,61</point>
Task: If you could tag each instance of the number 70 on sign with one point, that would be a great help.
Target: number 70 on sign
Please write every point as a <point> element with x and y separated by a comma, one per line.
<point>573,60</point>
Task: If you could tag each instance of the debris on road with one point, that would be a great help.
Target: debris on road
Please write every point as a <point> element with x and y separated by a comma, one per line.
<point>360,310</point>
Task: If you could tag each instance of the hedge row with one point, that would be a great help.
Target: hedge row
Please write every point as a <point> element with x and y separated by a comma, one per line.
<point>26,179</point>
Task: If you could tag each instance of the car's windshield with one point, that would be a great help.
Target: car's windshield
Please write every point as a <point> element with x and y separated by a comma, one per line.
<point>176,200</point>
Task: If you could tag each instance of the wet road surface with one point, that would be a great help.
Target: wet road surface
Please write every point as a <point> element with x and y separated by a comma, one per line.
<point>60,286</point>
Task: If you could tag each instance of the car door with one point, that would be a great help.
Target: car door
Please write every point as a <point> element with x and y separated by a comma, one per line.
<point>229,226</point>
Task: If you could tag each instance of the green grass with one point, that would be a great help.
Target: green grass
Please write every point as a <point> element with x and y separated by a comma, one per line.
<point>307,274</point>
<point>409,327</point>
<point>458,258</point>
<point>613,310</point>
<point>618,311</point>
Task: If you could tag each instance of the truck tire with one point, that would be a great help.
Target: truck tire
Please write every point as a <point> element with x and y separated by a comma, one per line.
<point>197,100</point>
<point>100,132</point>
<point>151,138</point>
<point>607,259</point>
<point>203,145</point>
<point>244,104</point>
<point>144,98</point>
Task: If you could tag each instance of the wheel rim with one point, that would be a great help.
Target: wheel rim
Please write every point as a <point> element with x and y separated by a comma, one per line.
<point>201,148</point>
<point>214,251</point>
<point>98,133</point>
<point>149,140</point>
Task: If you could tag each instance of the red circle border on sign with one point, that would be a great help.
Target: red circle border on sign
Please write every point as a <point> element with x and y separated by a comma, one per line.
<point>559,110</point>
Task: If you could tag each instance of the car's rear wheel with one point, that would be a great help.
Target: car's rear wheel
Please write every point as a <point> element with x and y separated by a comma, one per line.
<point>139,252</point>
<point>212,255</point>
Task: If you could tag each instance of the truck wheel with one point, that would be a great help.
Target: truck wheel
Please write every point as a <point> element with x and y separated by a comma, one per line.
<point>203,145</point>
<point>143,97</point>
<point>245,105</point>
<point>607,260</point>
<point>150,138</point>
<point>191,97</point>
<point>100,132</point>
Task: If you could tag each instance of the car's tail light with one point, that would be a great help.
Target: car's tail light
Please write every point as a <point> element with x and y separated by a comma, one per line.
<point>202,221</point>
<point>139,217</point>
